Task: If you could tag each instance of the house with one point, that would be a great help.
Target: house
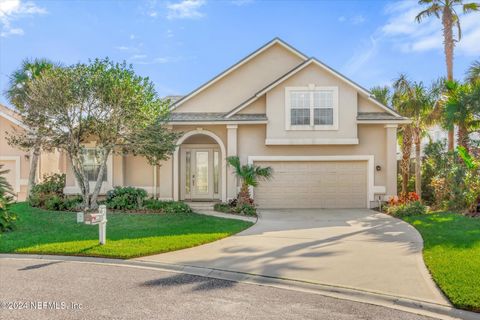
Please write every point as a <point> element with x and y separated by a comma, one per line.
<point>17,161</point>
<point>330,144</point>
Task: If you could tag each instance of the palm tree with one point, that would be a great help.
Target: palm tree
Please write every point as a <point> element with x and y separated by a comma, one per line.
<point>250,175</point>
<point>17,94</point>
<point>382,94</point>
<point>461,105</point>
<point>446,10</point>
<point>413,100</point>
<point>473,73</point>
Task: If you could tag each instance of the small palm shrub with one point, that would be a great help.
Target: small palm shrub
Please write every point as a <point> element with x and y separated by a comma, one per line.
<point>249,175</point>
<point>125,198</point>
<point>7,218</point>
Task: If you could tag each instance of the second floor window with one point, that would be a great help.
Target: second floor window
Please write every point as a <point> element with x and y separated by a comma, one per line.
<point>312,108</point>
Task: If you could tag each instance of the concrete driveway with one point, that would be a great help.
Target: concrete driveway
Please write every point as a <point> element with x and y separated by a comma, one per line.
<point>353,248</point>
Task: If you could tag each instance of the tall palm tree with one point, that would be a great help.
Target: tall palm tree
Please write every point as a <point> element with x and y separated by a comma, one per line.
<point>413,100</point>
<point>445,9</point>
<point>17,94</point>
<point>249,175</point>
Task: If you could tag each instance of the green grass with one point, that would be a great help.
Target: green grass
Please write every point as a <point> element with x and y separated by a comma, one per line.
<point>452,254</point>
<point>128,235</point>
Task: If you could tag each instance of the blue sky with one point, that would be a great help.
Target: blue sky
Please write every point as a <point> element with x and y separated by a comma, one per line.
<point>181,44</point>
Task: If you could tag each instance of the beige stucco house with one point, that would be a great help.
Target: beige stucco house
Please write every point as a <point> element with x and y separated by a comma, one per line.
<point>330,144</point>
<point>17,161</point>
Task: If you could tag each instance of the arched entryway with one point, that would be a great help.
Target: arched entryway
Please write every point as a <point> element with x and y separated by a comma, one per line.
<point>199,167</point>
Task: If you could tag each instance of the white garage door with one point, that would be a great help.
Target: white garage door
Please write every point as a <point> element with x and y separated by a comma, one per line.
<point>314,184</point>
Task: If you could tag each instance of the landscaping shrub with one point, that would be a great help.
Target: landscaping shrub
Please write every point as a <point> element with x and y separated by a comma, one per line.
<point>407,209</point>
<point>223,207</point>
<point>51,184</point>
<point>49,195</point>
<point>125,198</point>
<point>167,207</point>
<point>406,205</point>
<point>247,209</point>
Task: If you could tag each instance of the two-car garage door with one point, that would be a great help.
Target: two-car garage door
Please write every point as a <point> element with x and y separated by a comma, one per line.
<point>314,184</point>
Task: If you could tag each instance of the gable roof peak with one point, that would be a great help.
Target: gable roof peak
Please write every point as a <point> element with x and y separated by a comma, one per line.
<point>249,57</point>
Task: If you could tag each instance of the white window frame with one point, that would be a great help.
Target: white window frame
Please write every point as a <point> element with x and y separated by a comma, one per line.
<point>106,185</point>
<point>312,88</point>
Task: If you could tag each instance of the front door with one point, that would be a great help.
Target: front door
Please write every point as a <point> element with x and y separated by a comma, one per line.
<point>200,177</point>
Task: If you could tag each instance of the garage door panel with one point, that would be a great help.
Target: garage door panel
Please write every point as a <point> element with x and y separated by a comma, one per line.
<point>308,184</point>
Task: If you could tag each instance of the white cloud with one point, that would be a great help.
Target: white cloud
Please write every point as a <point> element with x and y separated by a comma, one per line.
<point>404,34</point>
<point>143,59</point>
<point>410,36</point>
<point>12,10</point>
<point>138,57</point>
<point>185,9</point>
<point>362,56</point>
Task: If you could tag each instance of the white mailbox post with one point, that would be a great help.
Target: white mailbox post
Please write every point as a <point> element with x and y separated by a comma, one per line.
<point>102,227</point>
<point>99,218</point>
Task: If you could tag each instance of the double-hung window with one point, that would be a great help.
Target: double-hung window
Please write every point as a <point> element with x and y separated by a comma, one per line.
<point>312,108</point>
<point>300,108</point>
<point>91,164</point>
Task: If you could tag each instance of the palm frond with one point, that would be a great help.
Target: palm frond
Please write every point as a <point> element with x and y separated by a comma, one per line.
<point>473,73</point>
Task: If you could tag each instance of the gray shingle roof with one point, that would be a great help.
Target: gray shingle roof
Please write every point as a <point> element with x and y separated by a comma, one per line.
<point>214,116</point>
<point>378,116</point>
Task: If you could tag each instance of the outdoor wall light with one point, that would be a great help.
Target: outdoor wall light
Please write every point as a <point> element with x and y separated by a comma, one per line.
<point>379,168</point>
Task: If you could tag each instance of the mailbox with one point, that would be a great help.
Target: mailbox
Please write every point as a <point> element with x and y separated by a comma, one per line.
<point>99,218</point>
<point>93,218</point>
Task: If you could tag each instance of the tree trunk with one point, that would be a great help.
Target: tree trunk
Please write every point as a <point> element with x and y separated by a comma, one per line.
<point>449,44</point>
<point>99,182</point>
<point>33,169</point>
<point>406,154</point>
<point>243,195</point>
<point>418,162</point>
<point>462,136</point>
<point>82,179</point>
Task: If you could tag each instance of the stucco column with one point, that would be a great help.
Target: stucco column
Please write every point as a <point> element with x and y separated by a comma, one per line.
<point>391,159</point>
<point>231,151</point>
<point>165,189</point>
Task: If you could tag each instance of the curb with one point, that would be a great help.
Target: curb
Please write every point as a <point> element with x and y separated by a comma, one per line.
<point>414,306</point>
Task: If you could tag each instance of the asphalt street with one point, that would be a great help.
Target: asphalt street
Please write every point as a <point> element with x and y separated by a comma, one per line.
<point>39,289</point>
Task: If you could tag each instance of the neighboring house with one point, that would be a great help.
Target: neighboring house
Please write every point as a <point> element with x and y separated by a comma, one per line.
<point>330,144</point>
<point>13,159</point>
<point>18,161</point>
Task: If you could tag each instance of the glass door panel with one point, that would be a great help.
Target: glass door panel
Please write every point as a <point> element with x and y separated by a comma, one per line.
<point>200,180</point>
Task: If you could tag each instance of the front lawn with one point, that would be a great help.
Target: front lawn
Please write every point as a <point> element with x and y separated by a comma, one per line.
<point>128,235</point>
<point>452,254</point>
